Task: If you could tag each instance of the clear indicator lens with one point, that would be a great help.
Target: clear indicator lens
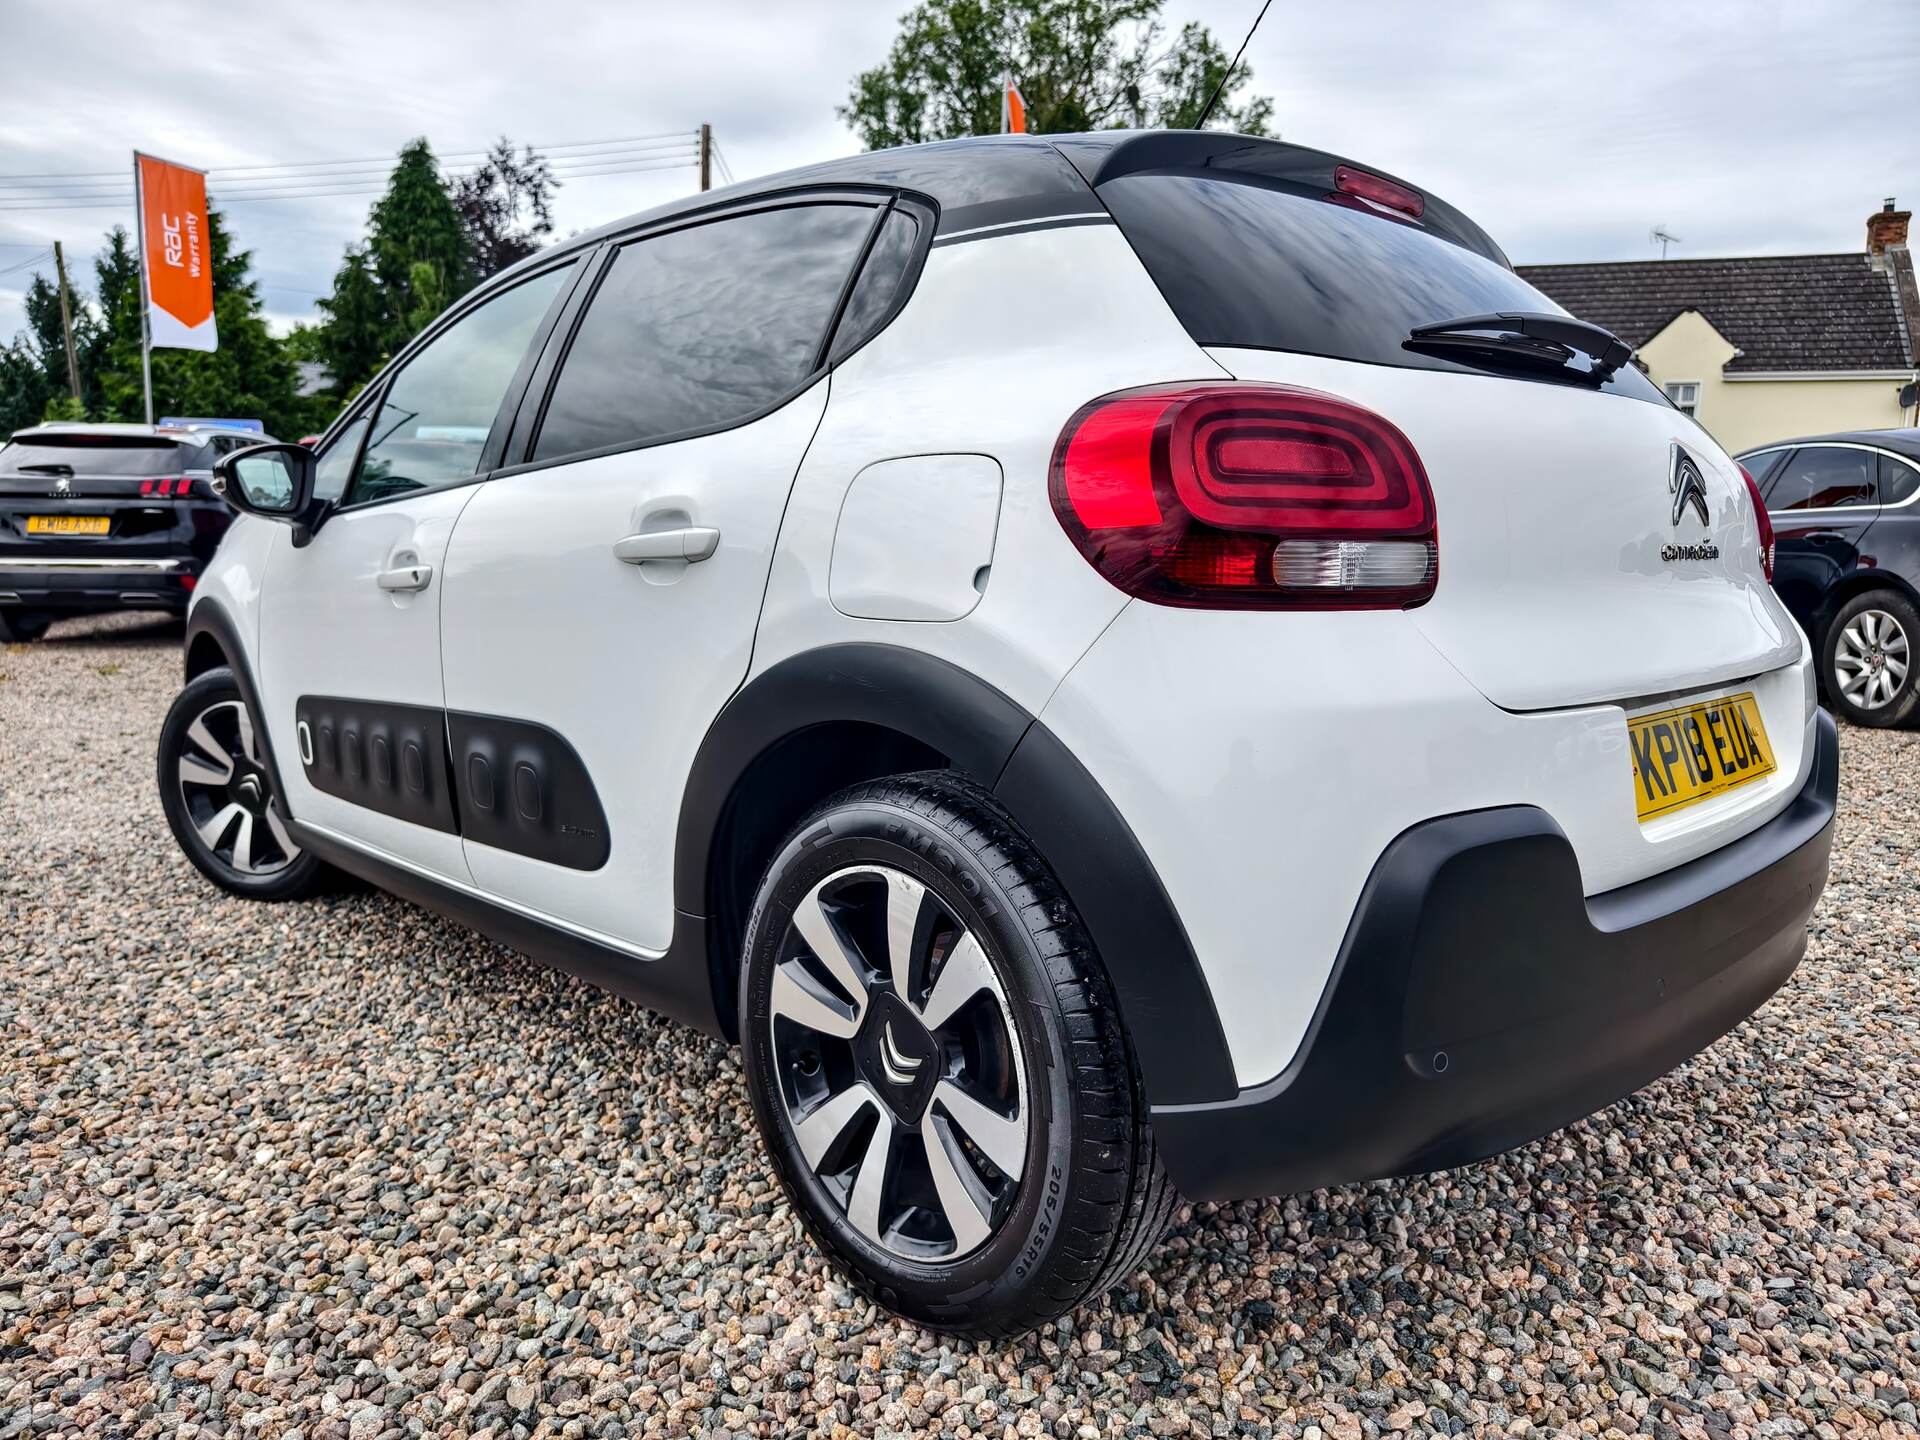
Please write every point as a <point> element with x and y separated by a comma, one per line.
<point>1352,564</point>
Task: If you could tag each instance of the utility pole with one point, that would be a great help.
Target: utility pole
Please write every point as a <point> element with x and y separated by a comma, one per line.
<point>66,322</point>
<point>706,155</point>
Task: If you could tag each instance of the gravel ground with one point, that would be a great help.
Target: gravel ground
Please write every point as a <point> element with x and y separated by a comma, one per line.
<point>342,1169</point>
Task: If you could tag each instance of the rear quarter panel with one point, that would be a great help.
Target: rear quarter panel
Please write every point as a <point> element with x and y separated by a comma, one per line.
<point>1003,340</point>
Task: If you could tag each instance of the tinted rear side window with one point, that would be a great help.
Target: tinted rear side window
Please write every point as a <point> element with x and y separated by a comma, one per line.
<point>1899,481</point>
<point>702,327</point>
<point>879,284</point>
<point>94,455</point>
<point>1272,265</point>
<point>1820,477</point>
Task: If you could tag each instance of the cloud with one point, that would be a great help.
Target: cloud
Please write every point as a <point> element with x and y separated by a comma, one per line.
<point>1568,131</point>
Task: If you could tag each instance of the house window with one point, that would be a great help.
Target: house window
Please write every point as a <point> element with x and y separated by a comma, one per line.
<point>1685,395</point>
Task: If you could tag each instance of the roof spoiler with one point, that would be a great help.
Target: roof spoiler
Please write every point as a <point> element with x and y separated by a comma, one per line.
<point>1112,154</point>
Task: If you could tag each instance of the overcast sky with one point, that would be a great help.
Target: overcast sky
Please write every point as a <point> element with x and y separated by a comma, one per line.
<point>1567,130</point>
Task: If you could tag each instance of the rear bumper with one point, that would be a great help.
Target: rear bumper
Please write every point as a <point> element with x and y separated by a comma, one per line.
<point>1480,1001</point>
<point>96,583</point>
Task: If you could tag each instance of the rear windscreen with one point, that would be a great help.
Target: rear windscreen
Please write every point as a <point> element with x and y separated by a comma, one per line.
<point>94,455</point>
<point>1272,265</point>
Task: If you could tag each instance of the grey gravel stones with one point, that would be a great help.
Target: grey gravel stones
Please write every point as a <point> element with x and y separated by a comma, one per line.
<point>340,1169</point>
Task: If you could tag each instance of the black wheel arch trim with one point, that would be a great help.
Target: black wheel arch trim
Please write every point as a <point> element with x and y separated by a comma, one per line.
<point>1165,1003</point>
<point>209,619</point>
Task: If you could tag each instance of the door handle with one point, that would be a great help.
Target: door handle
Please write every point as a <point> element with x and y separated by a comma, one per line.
<point>695,542</point>
<point>405,579</point>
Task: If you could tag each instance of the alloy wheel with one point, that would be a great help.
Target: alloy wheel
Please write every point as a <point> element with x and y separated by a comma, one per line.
<point>898,1064</point>
<point>1870,661</point>
<point>228,793</point>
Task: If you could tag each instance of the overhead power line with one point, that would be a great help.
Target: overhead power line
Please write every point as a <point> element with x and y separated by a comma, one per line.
<point>123,184</point>
<point>447,156</point>
<point>322,187</point>
<point>577,164</point>
<point>31,260</point>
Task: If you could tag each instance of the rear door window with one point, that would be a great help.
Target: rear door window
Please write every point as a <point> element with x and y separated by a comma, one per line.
<point>1280,265</point>
<point>1761,465</point>
<point>1824,477</point>
<point>703,327</point>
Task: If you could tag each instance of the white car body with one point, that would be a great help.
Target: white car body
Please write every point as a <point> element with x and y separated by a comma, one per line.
<point>1263,760</point>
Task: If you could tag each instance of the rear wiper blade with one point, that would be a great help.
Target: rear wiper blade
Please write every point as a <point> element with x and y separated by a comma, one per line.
<point>54,468</point>
<point>1526,340</point>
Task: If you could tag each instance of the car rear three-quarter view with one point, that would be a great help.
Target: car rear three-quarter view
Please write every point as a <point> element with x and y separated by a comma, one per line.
<point>1114,666</point>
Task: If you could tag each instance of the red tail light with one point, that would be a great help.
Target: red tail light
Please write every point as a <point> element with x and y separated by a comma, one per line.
<point>1763,522</point>
<point>1247,497</point>
<point>160,488</point>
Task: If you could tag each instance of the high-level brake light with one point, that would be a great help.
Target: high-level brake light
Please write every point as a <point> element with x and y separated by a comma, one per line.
<point>1247,497</point>
<point>1378,190</point>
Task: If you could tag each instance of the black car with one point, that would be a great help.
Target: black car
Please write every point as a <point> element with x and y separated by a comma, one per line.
<point>1846,518</point>
<point>107,517</point>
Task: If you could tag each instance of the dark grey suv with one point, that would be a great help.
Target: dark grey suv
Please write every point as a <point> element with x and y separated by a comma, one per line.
<point>107,517</point>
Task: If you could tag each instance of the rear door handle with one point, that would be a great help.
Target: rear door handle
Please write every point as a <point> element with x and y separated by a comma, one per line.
<point>405,578</point>
<point>695,542</point>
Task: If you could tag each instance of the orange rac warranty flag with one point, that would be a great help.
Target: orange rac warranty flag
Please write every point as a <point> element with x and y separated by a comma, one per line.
<point>176,253</point>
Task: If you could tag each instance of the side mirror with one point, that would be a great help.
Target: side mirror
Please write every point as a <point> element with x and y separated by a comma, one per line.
<point>274,481</point>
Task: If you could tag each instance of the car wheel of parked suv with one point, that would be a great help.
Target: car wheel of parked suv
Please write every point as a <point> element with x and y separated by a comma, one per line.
<point>938,1066</point>
<point>218,794</point>
<point>23,625</point>
<point>1869,658</point>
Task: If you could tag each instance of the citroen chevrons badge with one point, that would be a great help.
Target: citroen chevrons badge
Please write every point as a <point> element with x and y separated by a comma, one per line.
<point>899,1068</point>
<point>1689,489</point>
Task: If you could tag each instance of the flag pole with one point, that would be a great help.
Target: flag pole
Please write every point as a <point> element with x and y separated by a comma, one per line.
<point>146,337</point>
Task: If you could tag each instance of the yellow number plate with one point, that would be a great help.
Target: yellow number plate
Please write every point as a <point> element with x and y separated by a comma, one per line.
<point>68,524</point>
<point>1688,753</point>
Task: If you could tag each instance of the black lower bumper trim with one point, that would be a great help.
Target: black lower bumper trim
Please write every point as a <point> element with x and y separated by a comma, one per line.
<point>1479,1001</point>
<point>84,591</point>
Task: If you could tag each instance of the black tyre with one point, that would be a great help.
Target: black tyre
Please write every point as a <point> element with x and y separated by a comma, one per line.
<point>217,793</point>
<point>937,1064</point>
<point>1870,662</point>
<point>23,625</point>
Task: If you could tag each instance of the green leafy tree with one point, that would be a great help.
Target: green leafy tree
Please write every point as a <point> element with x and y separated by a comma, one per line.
<point>354,333</point>
<point>116,274</point>
<point>1080,65</point>
<point>414,224</point>
<point>250,376</point>
<point>428,289</point>
<point>33,367</point>
<point>25,387</point>
<point>505,207</point>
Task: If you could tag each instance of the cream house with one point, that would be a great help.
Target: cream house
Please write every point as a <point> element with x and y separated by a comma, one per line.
<point>1768,347</point>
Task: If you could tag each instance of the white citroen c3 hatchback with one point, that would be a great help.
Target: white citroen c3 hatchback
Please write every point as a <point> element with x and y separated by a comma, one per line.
<point>1114,666</point>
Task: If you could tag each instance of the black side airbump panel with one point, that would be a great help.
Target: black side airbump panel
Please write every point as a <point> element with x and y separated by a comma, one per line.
<point>390,758</point>
<point>523,788</point>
